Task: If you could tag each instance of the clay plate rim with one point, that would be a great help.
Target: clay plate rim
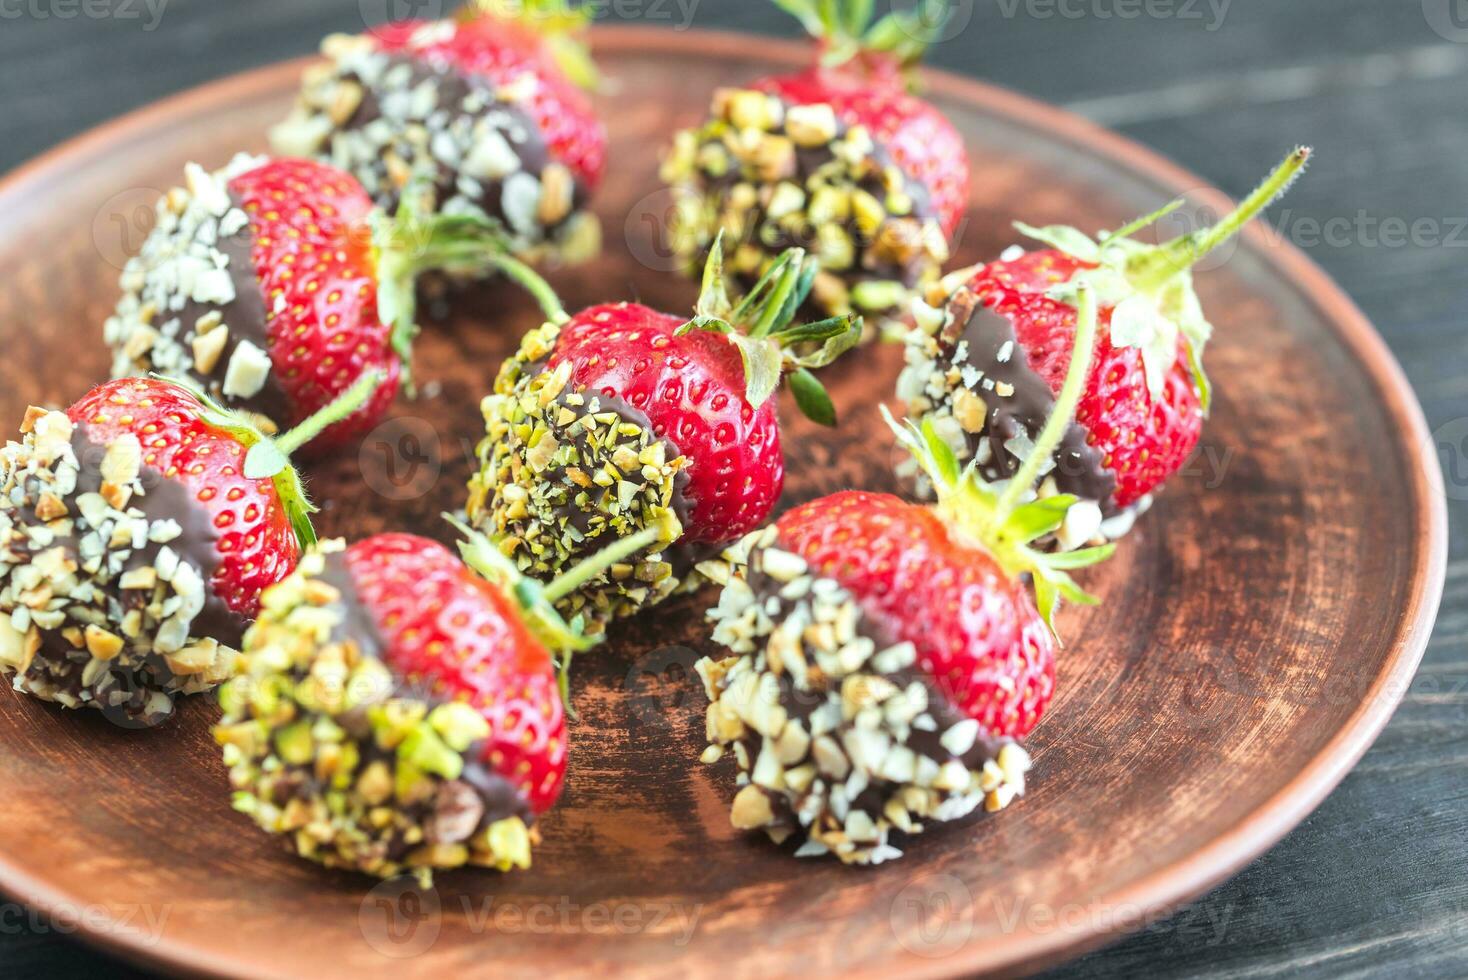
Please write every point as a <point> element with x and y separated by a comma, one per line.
<point>1165,889</point>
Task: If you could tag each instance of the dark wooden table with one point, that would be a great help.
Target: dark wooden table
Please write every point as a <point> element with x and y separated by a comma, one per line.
<point>1374,883</point>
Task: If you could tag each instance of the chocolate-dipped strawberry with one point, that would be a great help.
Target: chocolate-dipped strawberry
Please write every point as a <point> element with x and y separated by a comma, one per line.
<point>888,657</point>
<point>622,418</point>
<point>274,285</point>
<point>840,159</point>
<point>988,354</point>
<point>482,106</point>
<point>399,712</point>
<point>137,530</point>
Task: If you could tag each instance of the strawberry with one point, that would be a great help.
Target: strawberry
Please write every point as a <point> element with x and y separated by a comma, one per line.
<point>888,659</point>
<point>840,158</point>
<point>139,528</point>
<point>622,418</point>
<point>986,359</point>
<point>482,107</point>
<point>274,285</point>
<point>398,712</point>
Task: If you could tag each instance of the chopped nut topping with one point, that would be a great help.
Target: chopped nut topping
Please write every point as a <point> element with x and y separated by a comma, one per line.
<point>835,739</point>
<point>807,180</point>
<point>474,141</point>
<point>326,749</point>
<point>84,610</point>
<point>563,473</point>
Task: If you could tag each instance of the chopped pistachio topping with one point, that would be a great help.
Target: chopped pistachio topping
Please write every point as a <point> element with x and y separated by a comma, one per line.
<point>772,176</point>
<point>327,750</point>
<point>564,473</point>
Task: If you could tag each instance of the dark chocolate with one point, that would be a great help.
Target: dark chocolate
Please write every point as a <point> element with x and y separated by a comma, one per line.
<point>247,319</point>
<point>802,704</point>
<point>1079,469</point>
<point>357,624</point>
<point>453,87</point>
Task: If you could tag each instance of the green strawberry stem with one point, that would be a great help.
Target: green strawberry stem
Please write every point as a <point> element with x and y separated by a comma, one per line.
<point>1062,412</point>
<point>762,326</point>
<point>529,280</point>
<point>413,242</point>
<point>270,458</point>
<point>998,522</point>
<point>1151,269</point>
<point>569,581</point>
<point>341,408</point>
<point>845,29</point>
<point>537,600</point>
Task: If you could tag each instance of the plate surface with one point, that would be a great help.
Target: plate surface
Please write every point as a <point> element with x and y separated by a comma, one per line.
<point>1258,629</point>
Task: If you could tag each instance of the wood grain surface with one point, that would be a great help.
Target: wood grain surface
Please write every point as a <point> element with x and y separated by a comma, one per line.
<point>1213,654</point>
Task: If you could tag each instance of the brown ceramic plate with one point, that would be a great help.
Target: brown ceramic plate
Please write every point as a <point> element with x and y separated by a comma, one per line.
<point>1258,629</point>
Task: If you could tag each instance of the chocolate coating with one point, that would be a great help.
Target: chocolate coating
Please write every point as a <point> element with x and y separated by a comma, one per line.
<point>247,320</point>
<point>356,624</point>
<point>1079,469</point>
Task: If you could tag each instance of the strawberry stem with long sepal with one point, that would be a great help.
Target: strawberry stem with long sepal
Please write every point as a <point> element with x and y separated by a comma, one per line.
<point>1151,269</point>
<point>1000,521</point>
<point>847,33</point>
<point>562,25</point>
<point>268,458</point>
<point>1149,288</point>
<point>413,241</point>
<point>763,328</point>
<point>537,600</point>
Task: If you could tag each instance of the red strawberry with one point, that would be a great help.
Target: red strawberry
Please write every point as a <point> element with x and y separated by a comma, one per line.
<point>888,656</point>
<point>483,107</point>
<point>622,418</point>
<point>274,285</point>
<point>398,712</point>
<point>840,158</point>
<point>985,365</point>
<point>139,528</point>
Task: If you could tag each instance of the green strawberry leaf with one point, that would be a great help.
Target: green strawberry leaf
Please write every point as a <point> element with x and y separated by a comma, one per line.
<point>263,460</point>
<point>1083,558</point>
<point>1052,585</point>
<point>858,16</point>
<point>1136,322</point>
<point>764,361</point>
<point>1071,241</point>
<point>1200,378</point>
<point>812,399</point>
<point>805,11</point>
<point>713,297</point>
<point>1039,517</point>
